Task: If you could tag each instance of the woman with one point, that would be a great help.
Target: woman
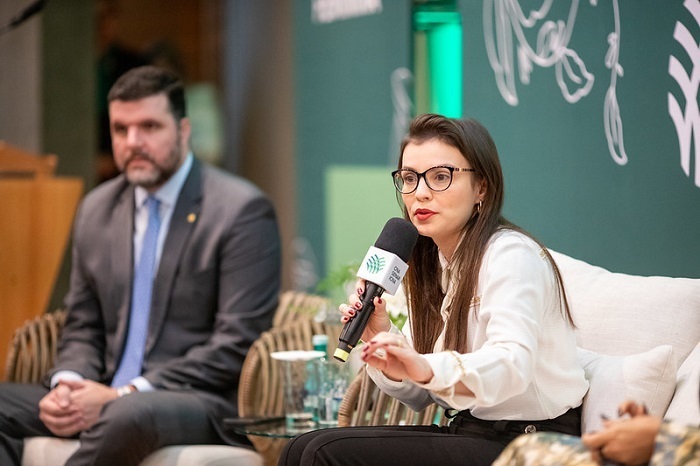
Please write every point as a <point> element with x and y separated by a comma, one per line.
<point>489,333</point>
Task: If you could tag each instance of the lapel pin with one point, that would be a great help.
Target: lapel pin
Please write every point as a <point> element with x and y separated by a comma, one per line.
<point>191,218</point>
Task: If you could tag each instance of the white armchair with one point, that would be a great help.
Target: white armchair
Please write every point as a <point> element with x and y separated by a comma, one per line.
<point>638,337</point>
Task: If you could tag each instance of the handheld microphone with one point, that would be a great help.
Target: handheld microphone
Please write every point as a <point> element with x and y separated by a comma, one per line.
<point>382,269</point>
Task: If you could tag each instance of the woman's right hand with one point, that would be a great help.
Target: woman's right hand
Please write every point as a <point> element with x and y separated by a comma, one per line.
<point>378,321</point>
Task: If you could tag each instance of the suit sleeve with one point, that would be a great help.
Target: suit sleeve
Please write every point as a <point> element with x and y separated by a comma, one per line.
<point>82,345</point>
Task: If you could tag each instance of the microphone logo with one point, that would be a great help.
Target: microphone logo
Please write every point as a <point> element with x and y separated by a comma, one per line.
<point>375,264</point>
<point>382,269</point>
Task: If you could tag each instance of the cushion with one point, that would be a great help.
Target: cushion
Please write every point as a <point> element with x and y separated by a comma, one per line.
<point>647,378</point>
<point>685,406</point>
<point>203,455</point>
<point>41,451</point>
<point>621,314</point>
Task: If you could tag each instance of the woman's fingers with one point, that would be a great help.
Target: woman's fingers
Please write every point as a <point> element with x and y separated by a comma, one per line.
<point>347,312</point>
<point>389,339</point>
<point>354,298</point>
<point>360,287</point>
<point>383,343</point>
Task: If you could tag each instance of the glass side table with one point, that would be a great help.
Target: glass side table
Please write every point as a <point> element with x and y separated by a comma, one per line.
<point>272,428</point>
<point>269,437</point>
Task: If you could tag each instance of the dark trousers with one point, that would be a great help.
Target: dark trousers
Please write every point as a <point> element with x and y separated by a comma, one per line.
<point>466,441</point>
<point>388,445</point>
<point>128,430</point>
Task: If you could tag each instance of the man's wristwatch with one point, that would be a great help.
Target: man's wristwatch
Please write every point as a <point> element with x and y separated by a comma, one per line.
<point>125,390</point>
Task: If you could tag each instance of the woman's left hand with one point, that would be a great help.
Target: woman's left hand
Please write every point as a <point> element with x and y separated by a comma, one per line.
<point>391,354</point>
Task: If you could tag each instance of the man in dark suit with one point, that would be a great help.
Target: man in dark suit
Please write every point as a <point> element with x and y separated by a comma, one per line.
<point>200,248</point>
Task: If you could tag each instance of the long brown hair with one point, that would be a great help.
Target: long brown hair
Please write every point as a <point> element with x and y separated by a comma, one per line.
<point>422,281</point>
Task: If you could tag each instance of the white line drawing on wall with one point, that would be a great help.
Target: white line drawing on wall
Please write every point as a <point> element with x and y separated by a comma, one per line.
<point>508,19</point>
<point>504,19</point>
<point>611,111</point>
<point>687,123</point>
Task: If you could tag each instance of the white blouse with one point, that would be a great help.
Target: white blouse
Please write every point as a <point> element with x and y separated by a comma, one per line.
<point>521,352</point>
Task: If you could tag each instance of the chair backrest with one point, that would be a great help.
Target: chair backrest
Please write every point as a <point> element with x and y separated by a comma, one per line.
<point>294,305</point>
<point>33,348</point>
<point>260,388</point>
<point>620,314</point>
<point>365,405</point>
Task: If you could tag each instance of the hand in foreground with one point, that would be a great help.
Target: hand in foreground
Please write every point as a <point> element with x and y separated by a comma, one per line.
<point>73,406</point>
<point>391,354</point>
<point>58,413</point>
<point>378,322</point>
<point>89,397</point>
<point>631,408</point>
<point>627,441</point>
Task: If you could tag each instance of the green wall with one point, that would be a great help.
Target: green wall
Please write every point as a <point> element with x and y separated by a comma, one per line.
<point>343,106</point>
<point>563,182</point>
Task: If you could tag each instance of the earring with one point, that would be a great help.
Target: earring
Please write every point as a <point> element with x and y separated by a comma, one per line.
<point>478,207</point>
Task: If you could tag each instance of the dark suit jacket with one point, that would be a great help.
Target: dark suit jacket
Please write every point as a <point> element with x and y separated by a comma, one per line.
<point>215,292</point>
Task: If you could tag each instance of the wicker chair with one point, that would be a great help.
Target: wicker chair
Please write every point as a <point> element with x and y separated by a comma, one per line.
<point>33,347</point>
<point>365,405</point>
<point>33,350</point>
<point>295,305</point>
<point>260,391</point>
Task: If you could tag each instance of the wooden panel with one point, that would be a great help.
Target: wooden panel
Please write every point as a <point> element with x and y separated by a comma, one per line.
<point>192,28</point>
<point>35,222</point>
<point>15,161</point>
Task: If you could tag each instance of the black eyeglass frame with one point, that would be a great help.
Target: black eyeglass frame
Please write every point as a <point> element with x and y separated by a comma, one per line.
<point>450,168</point>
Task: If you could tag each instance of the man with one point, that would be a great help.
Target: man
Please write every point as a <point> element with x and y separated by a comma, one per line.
<point>175,273</point>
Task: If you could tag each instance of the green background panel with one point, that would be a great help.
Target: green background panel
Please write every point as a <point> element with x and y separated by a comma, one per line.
<point>562,184</point>
<point>360,200</point>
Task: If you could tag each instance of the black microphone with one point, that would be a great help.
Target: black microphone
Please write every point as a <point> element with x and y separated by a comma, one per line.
<point>382,269</point>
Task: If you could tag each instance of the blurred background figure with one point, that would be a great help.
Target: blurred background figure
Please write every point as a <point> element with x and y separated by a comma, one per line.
<point>114,59</point>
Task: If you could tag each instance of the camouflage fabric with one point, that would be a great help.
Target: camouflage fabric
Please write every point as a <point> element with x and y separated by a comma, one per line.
<point>676,445</point>
<point>546,449</point>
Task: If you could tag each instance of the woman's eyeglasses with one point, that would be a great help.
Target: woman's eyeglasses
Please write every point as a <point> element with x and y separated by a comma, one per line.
<point>436,178</point>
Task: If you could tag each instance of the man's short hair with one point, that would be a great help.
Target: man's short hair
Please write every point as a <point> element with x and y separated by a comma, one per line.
<point>147,81</point>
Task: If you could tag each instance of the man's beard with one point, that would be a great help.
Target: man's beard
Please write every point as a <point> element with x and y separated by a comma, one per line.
<point>159,173</point>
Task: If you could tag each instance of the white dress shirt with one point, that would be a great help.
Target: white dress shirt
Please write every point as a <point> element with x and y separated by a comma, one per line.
<point>521,353</point>
<point>167,195</point>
